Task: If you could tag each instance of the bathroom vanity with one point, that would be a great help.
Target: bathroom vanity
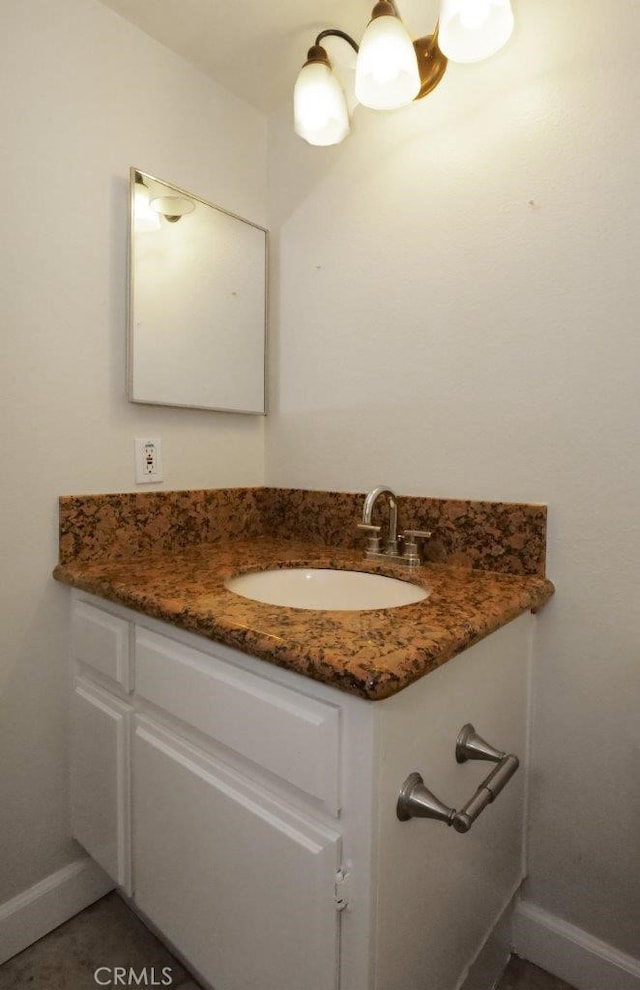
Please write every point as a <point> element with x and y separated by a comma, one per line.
<point>251,812</point>
<point>249,808</point>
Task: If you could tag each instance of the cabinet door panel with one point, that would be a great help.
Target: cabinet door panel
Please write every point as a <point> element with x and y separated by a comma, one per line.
<point>101,640</point>
<point>100,779</point>
<point>287,733</point>
<point>238,883</point>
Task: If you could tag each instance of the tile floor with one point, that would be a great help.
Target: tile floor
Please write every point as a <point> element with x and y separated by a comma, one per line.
<point>108,934</point>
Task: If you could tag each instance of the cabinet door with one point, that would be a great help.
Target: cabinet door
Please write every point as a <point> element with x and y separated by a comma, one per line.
<point>100,778</point>
<point>241,885</point>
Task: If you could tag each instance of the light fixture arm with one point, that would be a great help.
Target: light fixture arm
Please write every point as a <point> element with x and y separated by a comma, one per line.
<point>336,33</point>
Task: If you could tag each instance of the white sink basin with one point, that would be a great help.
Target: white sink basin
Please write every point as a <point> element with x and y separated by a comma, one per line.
<point>325,588</point>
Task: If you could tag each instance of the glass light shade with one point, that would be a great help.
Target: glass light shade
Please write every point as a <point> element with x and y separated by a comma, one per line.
<point>319,105</point>
<point>172,206</point>
<point>144,218</point>
<point>387,75</point>
<point>471,30</point>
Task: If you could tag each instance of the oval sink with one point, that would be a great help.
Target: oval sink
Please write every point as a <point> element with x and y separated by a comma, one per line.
<point>325,588</point>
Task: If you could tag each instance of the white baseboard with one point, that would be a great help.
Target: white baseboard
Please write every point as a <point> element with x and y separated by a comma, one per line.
<point>571,953</point>
<point>26,918</point>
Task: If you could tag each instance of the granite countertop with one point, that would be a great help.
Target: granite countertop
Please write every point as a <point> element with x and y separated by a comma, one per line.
<point>372,654</point>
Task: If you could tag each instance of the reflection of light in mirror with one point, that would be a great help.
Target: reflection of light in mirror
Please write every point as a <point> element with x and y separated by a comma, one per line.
<point>146,219</point>
<point>172,207</point>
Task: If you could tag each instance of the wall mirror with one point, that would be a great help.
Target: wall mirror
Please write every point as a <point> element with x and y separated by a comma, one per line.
<point>197,301</point>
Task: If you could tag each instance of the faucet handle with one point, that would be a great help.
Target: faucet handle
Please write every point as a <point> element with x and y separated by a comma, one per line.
<point>373,536</point>
<point>411,537</point>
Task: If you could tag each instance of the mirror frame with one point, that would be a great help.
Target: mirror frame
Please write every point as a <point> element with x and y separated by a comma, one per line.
<point>133,170</point>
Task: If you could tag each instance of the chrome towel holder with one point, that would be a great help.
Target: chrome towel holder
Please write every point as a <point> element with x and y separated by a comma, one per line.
<point>417,801</point>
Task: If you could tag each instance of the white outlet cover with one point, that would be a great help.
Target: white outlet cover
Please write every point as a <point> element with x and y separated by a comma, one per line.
<point>148,460</point>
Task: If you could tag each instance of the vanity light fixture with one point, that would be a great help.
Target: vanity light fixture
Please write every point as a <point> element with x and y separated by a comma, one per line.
<point>320,111</point>
<point>387,75</point>
<point>392,70</point>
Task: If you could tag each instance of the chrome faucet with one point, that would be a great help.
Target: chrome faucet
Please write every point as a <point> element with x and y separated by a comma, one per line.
<point>367,515</point>
<point>374,551</point>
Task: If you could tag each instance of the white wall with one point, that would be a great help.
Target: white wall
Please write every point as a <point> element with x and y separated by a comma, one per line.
<point>457,315</point>
<point>83,96</point>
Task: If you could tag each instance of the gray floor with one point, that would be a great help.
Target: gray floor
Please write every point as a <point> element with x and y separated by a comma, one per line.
<point>108,934</point>
<point>522,975</point>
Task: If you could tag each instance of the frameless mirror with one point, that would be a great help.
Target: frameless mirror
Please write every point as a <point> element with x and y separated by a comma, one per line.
<point>197,301</point>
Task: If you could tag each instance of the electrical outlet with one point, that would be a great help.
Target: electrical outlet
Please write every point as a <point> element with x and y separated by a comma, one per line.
<point>148,461</point>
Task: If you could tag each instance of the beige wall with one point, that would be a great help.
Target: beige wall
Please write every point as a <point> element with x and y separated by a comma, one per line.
<point>83,96</point>
<point>457,315</point>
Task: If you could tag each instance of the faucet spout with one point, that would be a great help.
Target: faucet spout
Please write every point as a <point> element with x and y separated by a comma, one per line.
<point>367,512</point>
<point>410,556</point>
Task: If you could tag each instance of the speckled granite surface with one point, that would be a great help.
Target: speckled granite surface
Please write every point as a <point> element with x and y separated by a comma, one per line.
<point>496,536</point>
<point>373,654</point>
<point>132,523</point>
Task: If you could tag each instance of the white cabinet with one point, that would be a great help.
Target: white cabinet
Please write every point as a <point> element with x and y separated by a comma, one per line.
<point>439,892</point>
<point>100,778</point>
<point>266,845</point>
<point>279,730</point>
<point>242,886</point>
<point>102,642</point>
<point>100,738</point>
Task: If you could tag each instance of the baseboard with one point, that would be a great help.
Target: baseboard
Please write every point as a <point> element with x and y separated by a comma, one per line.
<point>571,953</point>
<point>26,918</point>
